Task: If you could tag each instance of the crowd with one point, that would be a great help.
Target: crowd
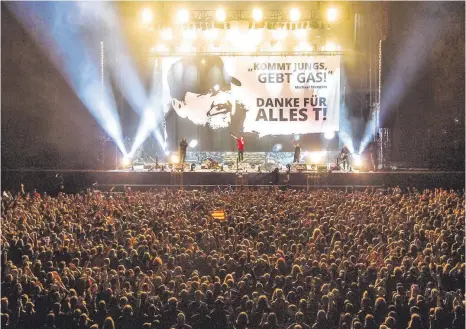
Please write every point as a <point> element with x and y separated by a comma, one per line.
<point>290,259</point>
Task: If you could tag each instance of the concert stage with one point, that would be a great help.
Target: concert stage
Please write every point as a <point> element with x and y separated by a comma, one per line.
<point>78,180</point>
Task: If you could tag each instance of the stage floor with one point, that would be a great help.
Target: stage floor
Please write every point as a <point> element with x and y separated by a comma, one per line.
<point>78,180</point>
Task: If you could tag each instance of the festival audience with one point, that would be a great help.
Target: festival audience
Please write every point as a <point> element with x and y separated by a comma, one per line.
<point>322,259</point>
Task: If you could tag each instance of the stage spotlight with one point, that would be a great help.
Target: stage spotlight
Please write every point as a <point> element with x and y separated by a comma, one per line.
<point>146,16</point>
<point>330,46</point>
<point>126,161</point>
<point>303,46</point>
<point>357,161</point>
<point>182,16</point>
<point>329,134</point>
<point>210,34</point>
<point>300,34</point>
<point>295,14</point>
<point>257,14</point>
<point>332,14</point>
<point>186,48</point>
<point>221,15</point>
<point>277,147</point>
<point>166,34</point>
<point>316,157</point>
<point>279,34</point>
<point>174,158</point>
<point>161,48</point>
<point>189,34</point>
<point>193,143</point>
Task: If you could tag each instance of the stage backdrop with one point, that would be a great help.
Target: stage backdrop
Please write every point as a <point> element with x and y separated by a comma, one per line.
<point>255,95</point>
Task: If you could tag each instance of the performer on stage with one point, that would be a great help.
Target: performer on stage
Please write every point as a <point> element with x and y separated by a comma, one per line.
<point>240,143</point>
<point>373,149</point>
<point>297,152</point>
<point>344,155</point>
<point>183,147</point>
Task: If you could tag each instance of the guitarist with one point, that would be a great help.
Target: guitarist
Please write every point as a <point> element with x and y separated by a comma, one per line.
<point>344,155</point>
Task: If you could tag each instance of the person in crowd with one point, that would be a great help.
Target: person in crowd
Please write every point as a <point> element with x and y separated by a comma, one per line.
<point>281,259</point>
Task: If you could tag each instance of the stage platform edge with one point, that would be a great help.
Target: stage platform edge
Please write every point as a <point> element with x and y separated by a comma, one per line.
<point>77,180</point>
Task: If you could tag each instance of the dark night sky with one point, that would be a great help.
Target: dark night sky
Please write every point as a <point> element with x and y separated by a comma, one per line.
<point>45,125</point>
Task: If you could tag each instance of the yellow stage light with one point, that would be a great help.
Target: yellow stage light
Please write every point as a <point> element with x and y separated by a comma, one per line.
<point>295,14</point>
<point>279,34</point>
<point>161,48</point>
<point>189,34</point>
<point>221,15</point>
<point>317,157</point>
<point>166,34</point>
<point>182,16</point>
<point>186,48</point>
<point>126,161</point>
<point>330,46</point>
<point>357,161</point>
<point>146,16</point>
<point>174,159</point>
<point>332,14</point>
<point>300,34</point>
<point>257,14</point>
<point>303,46</point>
<point>210,34</point>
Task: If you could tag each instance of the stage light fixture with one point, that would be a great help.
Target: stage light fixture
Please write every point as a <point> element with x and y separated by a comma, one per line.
<point>161,48</point>
<point>279,34</point>
<point>146,16</point>
<point>332,14</point>
<point>166,34</point>
<point>329,135</point>
<point>186,48</point>
<point>126,161</point>
<point>357,161</point>
<point>303,46</point>
<point>210,34</point>
<point>189,34</point>
<point>300,34</point>
<point>182,16</point>
<point>316,157</point>
<point>330,46</point>
<point>174,158</point>
<point>193,143</point>
<point>277,147</point>
<point>295,14</point>
<point>221,15</point>
<point>257,14</point>
<point>288,168</point>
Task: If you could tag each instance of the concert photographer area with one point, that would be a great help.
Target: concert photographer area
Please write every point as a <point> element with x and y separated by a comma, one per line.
<point>232,165</point>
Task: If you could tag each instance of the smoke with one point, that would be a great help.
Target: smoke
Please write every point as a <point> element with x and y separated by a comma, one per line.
<point>63,30</point>
<point>426,28</point>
